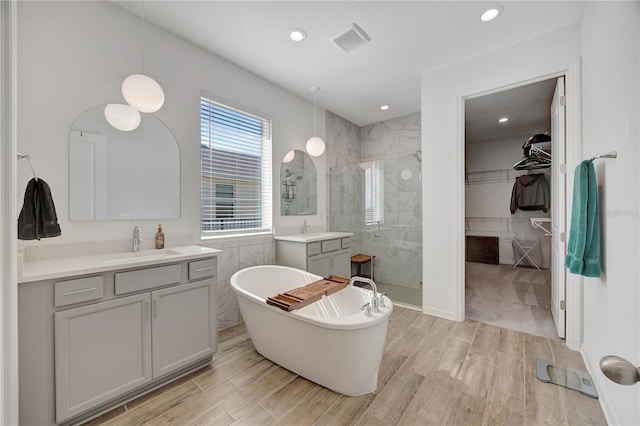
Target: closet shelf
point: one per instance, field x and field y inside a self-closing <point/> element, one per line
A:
<point x="492" y="176"/>
<point x="537" y="222"/>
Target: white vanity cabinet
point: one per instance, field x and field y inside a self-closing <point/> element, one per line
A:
<point x="330" y="264"/>
<point x="325" y="254"/>
<point x="101" y="351"/>
<point x="89" y="343"/>
<point x="182" y="326"/>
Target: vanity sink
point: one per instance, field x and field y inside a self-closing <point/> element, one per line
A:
<point x="313" y="236"/>
<point x="139" y="256"/>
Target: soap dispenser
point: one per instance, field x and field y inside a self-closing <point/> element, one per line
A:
<point x="159" y="238"/>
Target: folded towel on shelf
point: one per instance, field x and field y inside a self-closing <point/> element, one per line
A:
<point x="38" y="218"/>
<point x="583" y="251"/>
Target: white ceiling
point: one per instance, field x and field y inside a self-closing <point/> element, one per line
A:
<point x="408" y="38"/>
<point x="528" y="109"/>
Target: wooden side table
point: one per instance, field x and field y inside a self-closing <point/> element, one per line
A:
<point x="362" y="259"/>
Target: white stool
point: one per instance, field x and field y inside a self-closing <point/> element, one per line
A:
<point x="526" y="247"/>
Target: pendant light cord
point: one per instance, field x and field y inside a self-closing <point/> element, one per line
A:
<point x="142" y="42"/>
<point x="315" y="132"/>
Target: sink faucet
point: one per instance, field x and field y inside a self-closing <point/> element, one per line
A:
<point x="374" y="299"/>
<point x="305" y="227"/>
<point x="137" y="239"/>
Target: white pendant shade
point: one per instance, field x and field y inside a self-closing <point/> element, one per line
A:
<point x="142" y="93"/>
<point x="122" y="117"/>
<point x="315" y="146"/>
<point x="289" y="157"/>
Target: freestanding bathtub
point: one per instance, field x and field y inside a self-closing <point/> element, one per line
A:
<point x="330" y="342"/>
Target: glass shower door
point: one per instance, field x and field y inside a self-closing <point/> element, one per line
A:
<point x="380" y="202"/>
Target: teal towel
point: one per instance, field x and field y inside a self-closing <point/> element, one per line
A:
<point x="583" y="253"/>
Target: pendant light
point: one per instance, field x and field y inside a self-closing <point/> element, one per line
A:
<point x="141" y="91"/>
<point x="315" y="145"/>
<point x="122" y="117"/>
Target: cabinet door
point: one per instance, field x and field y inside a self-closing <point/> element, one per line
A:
<point x="320" y="265"/>
<point x="342" y="264"/>
<point x="184" y="325"/>
<point x="101" y="351"/>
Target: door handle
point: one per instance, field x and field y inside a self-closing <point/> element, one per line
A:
<point x="620" y="370"/>
<point x="84" y="290"/>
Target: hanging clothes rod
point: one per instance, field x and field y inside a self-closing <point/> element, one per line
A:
<point x="28" y="157"/>
<point x="612" y="154"/>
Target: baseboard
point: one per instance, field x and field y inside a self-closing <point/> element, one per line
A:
<point x="407" y="306"/>
<point x="597" y="381"/>
<point x="440" y="313"/>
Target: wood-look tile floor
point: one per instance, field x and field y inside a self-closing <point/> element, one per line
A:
<point x="434" y="372"/>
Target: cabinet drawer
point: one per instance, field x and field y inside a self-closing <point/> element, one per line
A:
<point x="346" y="242"/>
<point x="331" y="245"/>
<point x="202" y="269"/>
<point x="79" y="290"/>
<point x="313" y="248"/>
<point x="143" y="279"/>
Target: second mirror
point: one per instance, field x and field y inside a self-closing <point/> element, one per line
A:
<point x="298" y="185"/>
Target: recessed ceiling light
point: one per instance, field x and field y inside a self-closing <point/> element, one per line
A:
<point x="384" y="107"/>
<point x="491" y="14"/>
<point x="297" y="35"/>
<point x="503" y="120"/>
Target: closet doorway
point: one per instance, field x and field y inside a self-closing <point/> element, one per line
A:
<point x="514" y="200"/>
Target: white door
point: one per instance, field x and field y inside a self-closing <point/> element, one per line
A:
<point x="320" y="265"/>
<point x="184" y="328"/>
<point x="101" y="351"/>
<point x="341" y="264"/>
<point x="558" y="209"/>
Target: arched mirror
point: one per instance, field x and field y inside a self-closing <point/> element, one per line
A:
<point x="116" y="175"/>
<point x="298" y="185"/>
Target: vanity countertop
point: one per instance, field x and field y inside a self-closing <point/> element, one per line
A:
<point x="46" y="269"/>
<point x="313" y="236"/>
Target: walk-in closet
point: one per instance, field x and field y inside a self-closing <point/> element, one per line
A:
<point x="509" y="207"/>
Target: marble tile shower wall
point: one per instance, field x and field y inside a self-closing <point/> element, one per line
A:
<point x="236" y="255"/>
<point x="398" y="248"/>
<point x="397" y="243"/>
<point x="347" y="203"/>
<point x="397" y="136"/>
<point x="343" y="148"/>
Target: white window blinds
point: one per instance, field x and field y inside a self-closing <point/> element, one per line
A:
<point x="235" y="164"/>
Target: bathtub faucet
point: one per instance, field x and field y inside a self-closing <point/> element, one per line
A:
<point x="374" y="299"/>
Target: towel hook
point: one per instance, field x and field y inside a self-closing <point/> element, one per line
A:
<point x="28" y="158"/>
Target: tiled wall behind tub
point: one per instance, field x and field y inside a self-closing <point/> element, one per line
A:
<point x="238" y="254"/>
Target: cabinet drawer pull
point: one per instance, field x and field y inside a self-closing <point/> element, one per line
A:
<point x="204" y="269"/>
<point x="146" y="310"/>
<point x="155" y="309"/>
<point x="84" y="290"/>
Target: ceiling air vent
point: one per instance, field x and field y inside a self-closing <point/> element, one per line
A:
<point x="351" y="37"/>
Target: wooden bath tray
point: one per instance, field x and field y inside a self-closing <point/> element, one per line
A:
<point x="303" y="296"/>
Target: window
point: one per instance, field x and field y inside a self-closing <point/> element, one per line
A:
<point x="235" y="164"/>
<point x="373" y="193"/>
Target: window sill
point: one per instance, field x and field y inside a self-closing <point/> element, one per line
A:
<point x="233" y="237"/>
